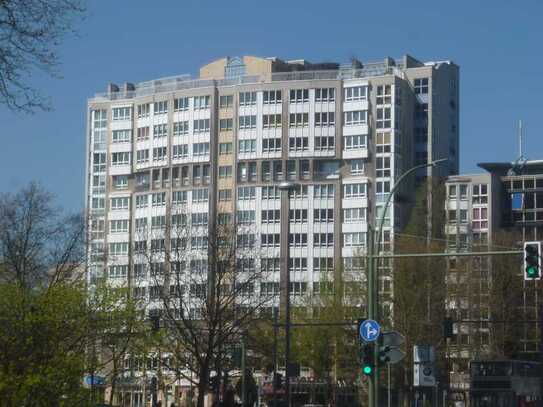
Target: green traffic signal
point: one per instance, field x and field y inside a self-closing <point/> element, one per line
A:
<point x="368" y="360"/>
<point x="367" y="370"/>
<point x="531" y="272"/>
<point x="532" y="261"/>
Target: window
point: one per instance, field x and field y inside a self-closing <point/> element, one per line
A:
<point x="357" y="167"/>
<point x="158" y="199"/>
<point x="269" y="288"/>
<point x="119" y="203"/>
<point x="179" y="197"/>
<point x="158" y="222"/>
<point x="224" y="218"/>
<point x="323" y="119"/>
<point x="383" y="119"/>
<point x="325" y="143"/>
<point x="354" y="142"/>
<point x="452" y="215"/>
<point x="323" y="191"/>
<point x="180" y="151"/>
<point x="225" y="195"/>
<point x="297" y="264"/>
<point x="271" y="216"/>
<point x="355" y="117"/>
<point x="120" y="182"/>
<point x="142" y="201"/>
<point x="270" y="121"/>
<point x="225" y="171"/>
<point x="298" y="143"/>
<point x="452" y="191"/>
<point x="143" y="133"/>
<point x="323" y="215"/>
<point x="297" y="215"/>
<point x="382" y="187"/>
<point x="382" y="143"/>
<point x="118" y="271"/>
<point x="271" y="144"/>
<point x="160" y="130"/>
<point x="421" y="86"/>
<point x="247" y="98"/>
<point x="298" y="120"/>
<point x="325" y="95"/>
<point x="246" y="240"/>
<point x="161" y="107"/>
<point x="299" y="95"/>
<point x="247" y="122"/>
<point x="121" y="113"/>
<point x="247" y="146"/>
<point x="159" y="153"/>
<point x="142" y="156"/>
<point x="355" y="93"/>
<point x="271" y="192"/>
<point x="270" y="239"/>
<point x="140" y="246"/>
<point x="141" y="225"/>
<point x="200" y="195"/>
<point x="480" y="194"/>
<point x="298" y="192"/>
<point x="181" y="128"/>
<point x="323" y="239"/>
<point x="200" y="149"/>
<point x="354" y="190"/>
<point x="246" y="216"/>
<point x="272" y="97"/>
<point x="179" y="220"/>
<point x="121" y="136"/>
<point x="201" y="126"/>
<point x="382" y="167"/>
<point x="323" y="264"/>
<point x="246" y="193"/>
<point x="480" y="218"/>
<point x="384" y="95"/>
<point x="225" y="124"/>
<point x="356" y="239"/>
<point x="226" y="101"/>
<point x="122" y="158"/>
<point x="463" y="191"/>
<point x="199" y="219"/>
<point x="118" y="249"/>
<point x="157" y="246"/>
<point x="118" y="226"/>
<point x="298" y="288"/>
<point x="143" y="110"/>
<point x="225" y="148"/>
<point x="180" y="104"/>
<point x="202" y="102"/>
<point x="354" y="215"/>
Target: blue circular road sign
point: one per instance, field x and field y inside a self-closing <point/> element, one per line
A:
<point x="369" y="330"/>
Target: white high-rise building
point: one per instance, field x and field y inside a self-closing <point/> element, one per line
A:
<point x="220" y="145"/>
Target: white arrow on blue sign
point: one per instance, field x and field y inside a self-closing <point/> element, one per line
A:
<point x="370" y="330"/>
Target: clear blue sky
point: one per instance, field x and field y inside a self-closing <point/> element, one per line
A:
<point x="498" y="45"/>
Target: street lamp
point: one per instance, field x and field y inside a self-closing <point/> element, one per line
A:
<point x="286" y="187"/>
<point x="373" y="300"/>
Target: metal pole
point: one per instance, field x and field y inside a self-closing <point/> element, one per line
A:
<point x="371" y="311"/>
<point x="287" y="313"/>
<point x="389" y="393"/>
<point x="243" y="378"/>
<point x="274" y="386"/>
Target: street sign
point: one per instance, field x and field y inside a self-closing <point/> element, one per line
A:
<point x="424" y="375"/>
<point x="394" y="355"/>
<point x="423" y="353"/>
<point x="94" y="380"/>
<point x="369" y="330"/>
<point x="392" y="339"/>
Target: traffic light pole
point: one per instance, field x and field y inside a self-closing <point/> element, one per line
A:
<point x="372" y="302"/>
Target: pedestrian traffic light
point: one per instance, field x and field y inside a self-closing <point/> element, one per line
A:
<point x="368" y="359"/>
<point x="532" y="260"/>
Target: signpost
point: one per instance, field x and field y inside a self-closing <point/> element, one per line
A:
<point x="369" y="330"/>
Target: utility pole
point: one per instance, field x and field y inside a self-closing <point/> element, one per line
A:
<point x="274" y="385"/>
<point x="243" y="367"/>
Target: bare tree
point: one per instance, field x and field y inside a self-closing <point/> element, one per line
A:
<point x="30" y="30"/>
<point x="39" y="245"/>
<point x="205" y="288"/>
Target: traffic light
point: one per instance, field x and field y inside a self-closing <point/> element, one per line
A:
<point x="368" y="359"/>
<point x="532" y="260"/>
<point x="447" y="324"/>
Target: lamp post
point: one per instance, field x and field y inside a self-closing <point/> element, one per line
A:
<point x="374" y="247"/>
<point x="286" y="187"/>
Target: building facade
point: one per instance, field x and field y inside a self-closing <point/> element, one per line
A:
<point x="217" y="147"/>
<point x="480" y="208"/>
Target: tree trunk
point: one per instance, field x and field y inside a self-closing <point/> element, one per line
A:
<point x="113" y="383"/>
<point x="203" y="383"/>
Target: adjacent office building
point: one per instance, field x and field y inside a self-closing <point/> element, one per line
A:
<point x="507" y="197"/>
<point x="217" y="147"/>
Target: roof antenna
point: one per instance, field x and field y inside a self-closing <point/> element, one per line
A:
<point x="518" y="165"/>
